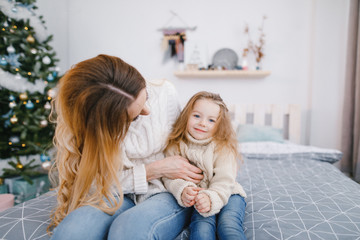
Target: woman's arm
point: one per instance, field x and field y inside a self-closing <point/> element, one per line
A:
<point x="173" y="167"/>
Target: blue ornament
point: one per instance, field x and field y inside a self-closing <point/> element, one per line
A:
<point x="14" y="9"/>
<point x="55" y="74"/>
<point x="29" y="105"/>
<point x="43" y="158"/>
<point x="3" y="61"/>
<point x="11" y="98"/>
<point x="50" y="78"/>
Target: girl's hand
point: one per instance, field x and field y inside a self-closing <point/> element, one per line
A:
<point x="202" y="203"/>
<point x="173" y="167"/>
<point x="188" y="195"/>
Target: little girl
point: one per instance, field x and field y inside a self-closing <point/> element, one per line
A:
<point x="203" y="134"/>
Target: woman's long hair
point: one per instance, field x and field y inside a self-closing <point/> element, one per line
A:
<point x="224" y="136"/>
<point x="91" y="122"/>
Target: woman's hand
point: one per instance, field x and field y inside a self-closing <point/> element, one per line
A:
<point x="173" y="167"/>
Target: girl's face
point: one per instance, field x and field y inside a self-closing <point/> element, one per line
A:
<point x="202" y="120"/>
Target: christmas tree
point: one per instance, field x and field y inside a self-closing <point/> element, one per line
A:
<point x="28" y="76"/>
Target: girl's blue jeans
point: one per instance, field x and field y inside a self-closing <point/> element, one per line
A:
<point x="227" y="224"/>
<point x="158" y="217"/>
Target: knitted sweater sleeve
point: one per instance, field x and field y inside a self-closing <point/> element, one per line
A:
<point x="176" y="186"/>
<point x="222" y="182"/>
<point x="133" y="177"/>
<point x="147" y="136"/>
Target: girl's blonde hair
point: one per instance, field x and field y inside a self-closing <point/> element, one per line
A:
<point x="91" y="122"/>
<point x="224" y="135"/>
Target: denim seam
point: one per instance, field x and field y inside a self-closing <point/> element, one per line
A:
<point x="151" y="233"/>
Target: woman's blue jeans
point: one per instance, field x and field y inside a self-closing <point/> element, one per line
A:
<point x="227" y="224"/>
<point x="158" y="217"/>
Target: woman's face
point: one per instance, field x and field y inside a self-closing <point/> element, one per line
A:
<point x="138" y="106"/>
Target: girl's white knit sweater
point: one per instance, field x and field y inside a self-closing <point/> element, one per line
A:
<point x="146" y="139"/>
<point x="219" y="170"/>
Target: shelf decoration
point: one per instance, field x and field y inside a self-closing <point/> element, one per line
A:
<point x="174" y="38"/>
<point x="256" y="48"/>
<point x="206" y="74"/>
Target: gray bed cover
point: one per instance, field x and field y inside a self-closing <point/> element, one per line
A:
<point x="290" y="196"/>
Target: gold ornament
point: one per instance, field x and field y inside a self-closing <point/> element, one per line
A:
<point x="1" y="181"/>
<point x="14" y="119"/>
<point x="19" y="166"/>
<point x="30" y="39"/>
<point x="23" y="96"/>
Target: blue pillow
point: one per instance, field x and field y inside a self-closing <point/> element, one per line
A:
<point x="256" y="133"/>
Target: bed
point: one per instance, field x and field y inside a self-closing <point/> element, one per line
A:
<point x="294" y="191"/>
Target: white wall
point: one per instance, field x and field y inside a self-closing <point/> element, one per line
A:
<point x="305" y="45"/>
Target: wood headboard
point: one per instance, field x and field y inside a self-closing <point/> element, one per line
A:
<point x="286" y="117"/>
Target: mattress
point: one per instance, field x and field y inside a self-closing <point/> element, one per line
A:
<point x="294" y="192"/>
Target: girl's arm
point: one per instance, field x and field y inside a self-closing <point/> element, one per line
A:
<point x="222" y="183"/>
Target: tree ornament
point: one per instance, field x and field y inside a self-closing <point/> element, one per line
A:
<point x="3" y="61"/>
<point x="19" y="165"/>
<point x="50" y="77"/>
<point x="29" y="105"/>
<point x="33" y="50"/>
<point x="43" y="123"/>
<point x="51" y="93"/>
<point x="30" y="39"/>
<point x="14" y="139"/>
<point x="12" y="104"/>
<point x="11" y="98"/>
<point x="14" y="10"/>
<point x="10" y="49"/>
<point x="47" y="106"/>
<point x="46" y="165"/>
<point x="46" y="60"/>
<point x="1" y="181"/>
<point x="23" y="96"/>
<point x="14" y="119"/>
<point x="44" y="158"/>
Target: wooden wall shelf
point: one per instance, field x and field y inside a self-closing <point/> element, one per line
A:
<point x="222" y="74"/>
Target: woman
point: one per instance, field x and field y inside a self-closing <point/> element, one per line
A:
<point x="97" y="101"/>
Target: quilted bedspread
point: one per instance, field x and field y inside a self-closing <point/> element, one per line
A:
<point x="293" y="193"/>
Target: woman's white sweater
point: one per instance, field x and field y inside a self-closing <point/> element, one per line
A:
<point x="146" y="139"/>
<point x="219" y="169"/>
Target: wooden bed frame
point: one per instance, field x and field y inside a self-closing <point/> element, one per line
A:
<point x="286" y="117"/>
